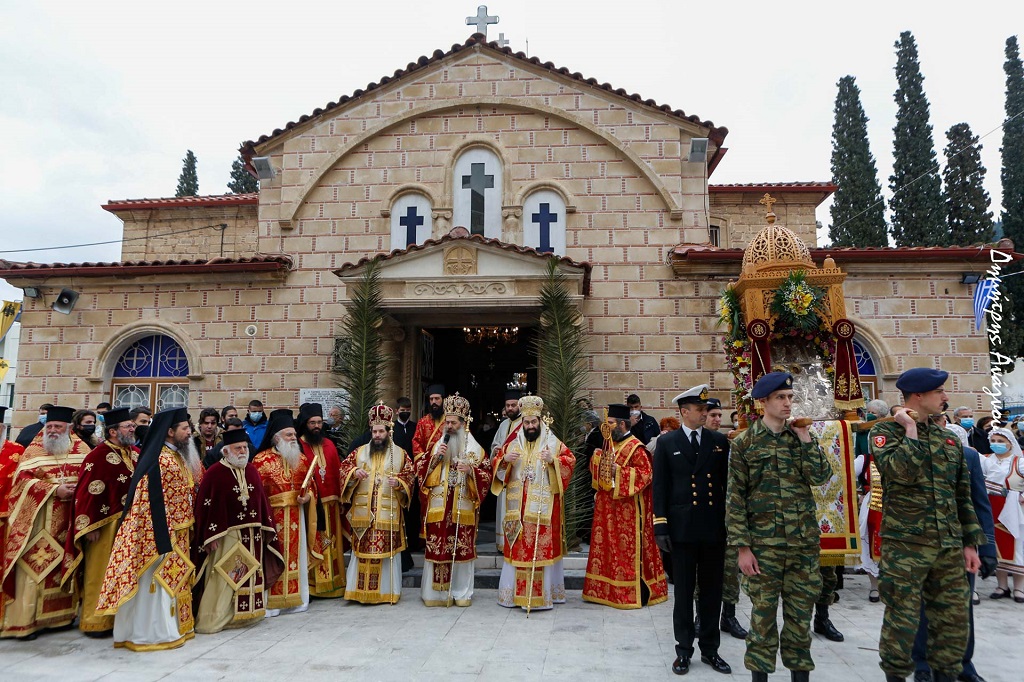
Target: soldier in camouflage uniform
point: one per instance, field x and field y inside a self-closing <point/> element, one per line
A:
<point x="773" y="523"/>
<point x="929" y="531"/>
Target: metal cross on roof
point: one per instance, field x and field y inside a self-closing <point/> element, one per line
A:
<point x="481" y="20"/>
<point x="501" y="40"/>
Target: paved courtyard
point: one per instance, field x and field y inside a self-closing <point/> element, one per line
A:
<point x="340" y="641"/>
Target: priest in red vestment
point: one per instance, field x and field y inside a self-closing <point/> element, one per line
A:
<point x="455" y="479"/>
<point x="377" y="479"/>
<point x="148" y="583"/>
<point x="41" y="503"/>
<point x="624" y="568"/>
<point x="327" y="578"/>
<point x="10" y="455"/>
<point x="533" y="470"/>
<point x="429" y="430"/>
<point x="239" y="556"/>
<point x="102" y="488"/>
<point x="287" y="480"/>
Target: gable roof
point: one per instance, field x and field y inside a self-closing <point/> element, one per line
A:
<point x="461" y="234"/>
<point x="479" y="41"/>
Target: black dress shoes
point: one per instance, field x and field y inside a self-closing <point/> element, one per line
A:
<point x="716" y="662"/>
<point x="681" y="665"/>
<point x="758" y="676"/>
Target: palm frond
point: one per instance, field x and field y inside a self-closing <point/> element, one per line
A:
<point x="359" y="360"/>
<point x="561" y="346"/>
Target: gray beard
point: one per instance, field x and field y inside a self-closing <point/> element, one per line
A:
<point x="236" y="461"/>
<point x="457" y="444"/>
<point x="191" y="456"/>
<point x="58" y="445"/>
<point x="289" y="451"/>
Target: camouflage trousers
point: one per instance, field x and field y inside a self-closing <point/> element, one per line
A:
<point x="910" y="574"/>
<point x="792" y="574"/>
<point x="731" y="579"/>
<point x="829" y="581"/>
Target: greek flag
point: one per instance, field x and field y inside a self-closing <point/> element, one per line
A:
<point x="983" y="295"/>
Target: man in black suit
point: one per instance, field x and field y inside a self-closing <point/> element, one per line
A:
<point x="645" y="427"/>
<point x="691" y="471"/>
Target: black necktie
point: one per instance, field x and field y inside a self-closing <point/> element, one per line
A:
<point x="694" y="442"/>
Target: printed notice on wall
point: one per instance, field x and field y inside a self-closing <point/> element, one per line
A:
<point x="328" y="397"/>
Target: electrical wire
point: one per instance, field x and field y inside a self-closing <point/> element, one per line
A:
<point x="220" y="226"/>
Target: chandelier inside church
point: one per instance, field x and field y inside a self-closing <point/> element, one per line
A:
<point x="491" y="336"/>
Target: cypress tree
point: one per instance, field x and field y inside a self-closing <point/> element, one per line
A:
<point x="858" y="211"/>
<point x="967" y="202"/>
<point x="188" y="181"/>
<point x="1012" y="174"/>
<point x="918" y="212"/>
<point x="1011" y="333"/>
<point x="241" y="181"/>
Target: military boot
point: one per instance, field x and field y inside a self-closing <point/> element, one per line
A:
<point x="823" y="626"/>
<point x="800" y="675"/>
<point x="730" y="624"/>
<point x="757" y="676"/>
<point x="893" y="677"/>
<point x="943" y="677"/>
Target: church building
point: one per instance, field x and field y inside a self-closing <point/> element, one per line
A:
<point x="469" y="170"/>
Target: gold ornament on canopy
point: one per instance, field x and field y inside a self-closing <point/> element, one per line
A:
<point x="758" y="338"/>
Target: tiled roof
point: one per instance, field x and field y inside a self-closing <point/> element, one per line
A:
<point x="798" y="186"/>
<point x="907" y="254"/>
<point x="265" y="263"/>
<point x="114" y="205"/>
<point x="460" y="233"/>
<point x="716" y="133"/>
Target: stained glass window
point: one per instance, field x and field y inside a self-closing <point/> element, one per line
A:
<point x="152" y="372"/>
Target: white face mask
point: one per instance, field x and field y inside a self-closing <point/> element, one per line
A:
<point x="255" y="417"/>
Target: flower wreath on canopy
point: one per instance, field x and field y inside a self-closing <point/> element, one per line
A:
<point x="797" y="307"/>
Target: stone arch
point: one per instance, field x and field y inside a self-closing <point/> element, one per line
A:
<point x="123" y="337"/>
<point x="885" y="361"/>
<point x="289" y="210"/>
<point x="554" y="186"/>
<point x="407" y="188"/>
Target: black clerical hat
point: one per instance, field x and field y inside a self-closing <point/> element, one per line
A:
<point x="235" y="436"/>
<point x="618" y="411"/>
<point x="60" y="414"/>
<point x="115" y="417"/>
<point x="278" y="421"/>
<point x="513" y="394"/>
<point x="307" y="411"/>
<point x="435" y="389"/>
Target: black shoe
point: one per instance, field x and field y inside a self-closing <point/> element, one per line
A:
<point x="893" y="677"/>
<point x="716" y="662"/>
<point x="28" y="638"/>
<point x="943" y="677"/>
<point x="99" y="634"/>
<point x="681" y="665"/>
<point x="923" y="676"/>
<point x="757" y="676"/>
<point x="800" y="675"/>
<point x="973" y="677"/>
<point x="823" y="626"/>
<point x="733" y="627"/>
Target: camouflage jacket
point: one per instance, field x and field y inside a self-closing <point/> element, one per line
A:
<point x="770" y="479"/>
<point x="926" y="489"/>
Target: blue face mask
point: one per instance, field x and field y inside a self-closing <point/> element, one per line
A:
<point x="967" y="422"/>
<point x="42" y="419"/>
<point x="1000" y="448"/>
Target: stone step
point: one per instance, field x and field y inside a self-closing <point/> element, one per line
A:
<point x="491" y="559"/>
<point x="487" y="579"/>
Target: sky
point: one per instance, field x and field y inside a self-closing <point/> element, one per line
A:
<point x="101" y="100"/>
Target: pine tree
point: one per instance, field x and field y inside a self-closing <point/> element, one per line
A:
<point x="188" y="181"/>
<point x="967" y="202"/>
<point x="241" y="181"/>
<point x="1011" y="333"/>
<point x="918" y="211"/>
<point x="858" y="211"/>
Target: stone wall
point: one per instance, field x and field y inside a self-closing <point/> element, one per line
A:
<point x="188" y="233"/>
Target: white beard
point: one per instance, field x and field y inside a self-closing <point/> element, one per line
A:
<point x="289" y="451"/>
<point x="237" y="461"/>
<point x="191" y="457"/>
<point x="58" y="445"/>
